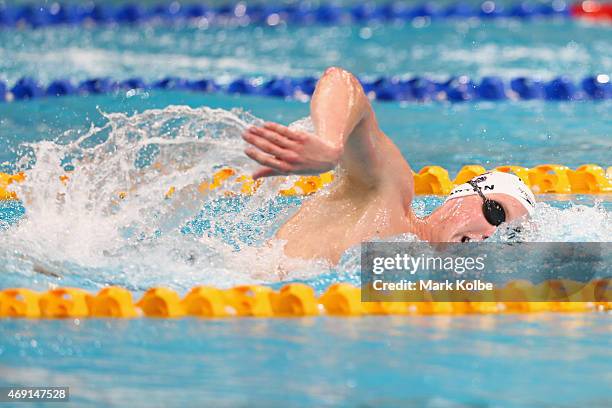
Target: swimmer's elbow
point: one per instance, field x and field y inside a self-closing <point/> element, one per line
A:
<point x="337" y="74"/>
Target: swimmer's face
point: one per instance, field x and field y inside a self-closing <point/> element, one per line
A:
<point x="464" y="221"/>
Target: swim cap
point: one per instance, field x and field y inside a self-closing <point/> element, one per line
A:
<point x="498" y="182"/>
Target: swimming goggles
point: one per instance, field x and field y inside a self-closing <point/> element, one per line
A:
<point x="493" y="211"/>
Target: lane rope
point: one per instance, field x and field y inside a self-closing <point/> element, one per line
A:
<point x="395" y="88"/>
<point x="300" y="300"/>
<point x="297" y="13"/>
<point x="430" y="180"/>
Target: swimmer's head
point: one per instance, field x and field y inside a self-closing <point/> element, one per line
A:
<point x="474" y="210"/>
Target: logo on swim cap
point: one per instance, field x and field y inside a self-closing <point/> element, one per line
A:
<point x="498" y="182"/>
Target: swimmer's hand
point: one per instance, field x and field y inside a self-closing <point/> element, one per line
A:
<point x="281" y="150"/>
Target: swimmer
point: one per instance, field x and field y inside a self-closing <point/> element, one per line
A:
<point x="374" y="185"/>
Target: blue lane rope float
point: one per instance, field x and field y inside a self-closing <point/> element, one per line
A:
<point x="261" y="13"/>
<point x="419" y="89"/>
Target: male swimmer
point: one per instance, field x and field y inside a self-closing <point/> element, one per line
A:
<point x="374" y="185"/>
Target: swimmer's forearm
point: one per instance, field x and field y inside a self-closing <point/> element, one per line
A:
<point x="342" y="114"/>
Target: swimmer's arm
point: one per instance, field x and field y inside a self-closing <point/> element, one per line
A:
<point x="346" y="133"/>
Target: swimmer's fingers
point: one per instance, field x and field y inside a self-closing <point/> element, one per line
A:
<point x="268" y="161"/>
<point x="266" y="146"/>
<point x="285" y="131"/>
<point x="273" y="137"/>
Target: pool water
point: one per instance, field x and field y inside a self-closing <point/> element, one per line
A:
<point x="144" y="142"/>
<point x="506" y="48"/>
<point x="470" y="361"/>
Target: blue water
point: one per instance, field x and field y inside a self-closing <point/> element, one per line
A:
<point x="80" y="234"/>
<point x="491" y="134"/>
<point x="507" y="48"/>
<point x="509" y="361"/>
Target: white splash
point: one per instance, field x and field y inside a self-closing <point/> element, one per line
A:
<point x="82" y="227"/>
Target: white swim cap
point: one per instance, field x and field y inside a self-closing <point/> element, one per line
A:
<point x="498" y="182"/>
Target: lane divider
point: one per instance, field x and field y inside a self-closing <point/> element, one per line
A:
<point x="300" y="12"/>
<point x="300" y="300"/>
<point x="430" y="180"/>
<point x="415" y="89"/>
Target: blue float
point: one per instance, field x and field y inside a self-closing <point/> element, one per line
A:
<point x="491" y="88"/>
<point x="545" y="10"/>
<point x="130" y="13"/>
<point x="559" y="7"/>
<point x="523" y="10"/>
<point x="60" y="87"/>
<point x="306" y="85"/>
<point x="100" y="14"/>
<point x="406" y="90"/>
<point x="241" y="86"/>
<point x="3" y="90"/>
<point x="254" y="12"/>
<point x="6" y="17"/>
<point x="560" y="89"/>
<point x="171" y="83"/>
<point x="280" y="87"/>
<point x="425" y="10"/>
<point x="367" y="85"/>
<point x="170" y="11"/>
<point x="260" y="13"/>
<point x="460" y="9"/>
<point x="64" y="14"/>
<point x="365" y="12"/>
<point x="390" y="89"/>
<point x="133" y="83"/>
<point x="393" y="10"/>
<point x="597" y="87"/>
<point x="27" y="88"/>
<point x="35" y="16"/>
<point x="328" y="14"/>
<point x="527" y="88"/>
<point x="459" y="89"/>
<point x="385" y="89"/>
<point x="299" y="15"/>
<point x="98" y="86"/>
<point x="226" y="10"/>
<point x="196" y="11"/>
<point x="421" y="89"/>
<point x="489" y="9"/>
<point x="203" y="85"/>
<point x="289" y="10"/>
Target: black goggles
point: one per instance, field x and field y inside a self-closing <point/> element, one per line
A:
<point x="493" y="211"/>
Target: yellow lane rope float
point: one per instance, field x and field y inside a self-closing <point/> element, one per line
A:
<point x="430" y="180"/>
<point x="299" y="300"/>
